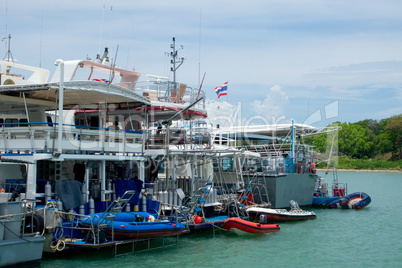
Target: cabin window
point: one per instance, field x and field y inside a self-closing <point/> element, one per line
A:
<point x="24" y="122"/>
<point x="215" y="164"/>
<point x="227" y="164"/>
<point x="12" y="121"/>
<point x="49" y="120"/>
<point x="1" y="120"/>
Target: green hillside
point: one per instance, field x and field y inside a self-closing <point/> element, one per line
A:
<point x="367" y="144"/>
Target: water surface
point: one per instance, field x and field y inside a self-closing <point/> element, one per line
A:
<point x="370" y="237"/>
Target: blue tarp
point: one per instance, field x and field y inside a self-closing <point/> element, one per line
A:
<point x="69" y="193"/>
<point x="121" y="186"/>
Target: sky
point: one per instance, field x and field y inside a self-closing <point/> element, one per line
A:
<point x="311" y="61"/>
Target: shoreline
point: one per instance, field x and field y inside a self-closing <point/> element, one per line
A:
<point x="365" y="170"/>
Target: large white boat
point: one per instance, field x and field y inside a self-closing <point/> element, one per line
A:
<point x="85" y="139"/>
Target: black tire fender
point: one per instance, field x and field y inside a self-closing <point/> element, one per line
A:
<point x="37" y="222"/>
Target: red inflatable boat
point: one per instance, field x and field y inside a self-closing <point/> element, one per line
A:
<point x="249" y="227"/>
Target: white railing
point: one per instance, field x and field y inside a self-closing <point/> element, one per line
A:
<point x="163" y="92"/>
<point x="42" y="137"/>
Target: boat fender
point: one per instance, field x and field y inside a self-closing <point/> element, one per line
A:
<point x="197" y="219"/>
<point x="34" y="224"/>
<point x="262" y="219"/>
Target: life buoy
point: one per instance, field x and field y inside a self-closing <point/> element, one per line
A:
<point x="33" y="224"/>
<point x="2" y="190"/>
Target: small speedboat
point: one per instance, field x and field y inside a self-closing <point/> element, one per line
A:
<point x="275" y="215"/>
<point x="236" y="224"/>
<point x="357" y="200"/>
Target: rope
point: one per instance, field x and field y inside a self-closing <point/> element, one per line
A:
<point x="56" y="247"/>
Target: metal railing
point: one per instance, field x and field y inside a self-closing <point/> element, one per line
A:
<point x="42" y="137"/>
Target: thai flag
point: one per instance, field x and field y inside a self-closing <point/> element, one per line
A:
<point x="222" y="90"/>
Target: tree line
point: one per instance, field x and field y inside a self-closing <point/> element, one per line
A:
<point x="365" y="139"/>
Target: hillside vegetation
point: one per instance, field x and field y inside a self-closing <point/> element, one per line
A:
<point x="367" y="144"/>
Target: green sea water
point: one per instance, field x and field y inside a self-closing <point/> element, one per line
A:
<point x="370" y="237"/>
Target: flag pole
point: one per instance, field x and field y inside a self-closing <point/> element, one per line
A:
<point x="199" y="90"/>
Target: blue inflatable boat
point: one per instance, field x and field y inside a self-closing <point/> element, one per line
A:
<point x="357" y="200"/>
<point x="136" y="225"/>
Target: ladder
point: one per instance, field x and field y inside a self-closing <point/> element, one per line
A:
<point x="199" y="198"/>
<point x="255" y="186"/>
<point x="110" y="214"/>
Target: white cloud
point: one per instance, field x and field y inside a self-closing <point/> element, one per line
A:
<point x="273" y="105"/>
<point x="248" y="43"/>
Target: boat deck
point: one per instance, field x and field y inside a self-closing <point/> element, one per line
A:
<point x="80" y="243"/>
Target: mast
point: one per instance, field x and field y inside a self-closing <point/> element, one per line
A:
<point x="293" y="138"/>
<point x="175" y="60"/>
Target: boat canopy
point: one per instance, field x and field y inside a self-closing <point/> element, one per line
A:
<point x="279" y="130"/>
<point x="128" y="78"/>
<point x="37" y="75"/>
<point x="83" y="94"/>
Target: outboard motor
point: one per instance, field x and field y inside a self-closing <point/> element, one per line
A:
<point x="262" y="219"/>
<point x="232" y="210"/>
<point x="293" y="204"/>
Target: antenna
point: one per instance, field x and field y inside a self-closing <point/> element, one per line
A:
<point x="111" y="77"/>
<point x="111" y="28"/>
<point x="132" y="31"/>
<point x="101" y="31"/>
<point x="41" y="35"/>
<point x="199" y="53"/>
<point x="8" y="54"/>
<point x="173" y="61"/>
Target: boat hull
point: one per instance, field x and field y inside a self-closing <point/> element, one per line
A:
<point x="282" y="188"/>
<point x="21" y="252"/>
<point x="138" y="230"/>
<point x="278" y="215"/>
<point x="249" y="227"/>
